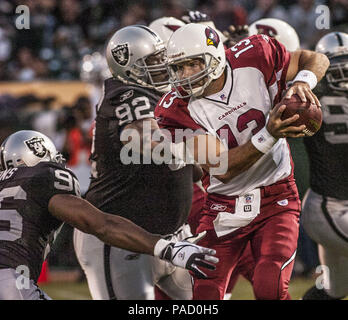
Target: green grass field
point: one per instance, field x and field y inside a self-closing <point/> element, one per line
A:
<point x="242" y="291"/>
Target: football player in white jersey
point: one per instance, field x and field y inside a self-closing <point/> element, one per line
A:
<point x="325" y="206"/>
<point x="231" y="97"/>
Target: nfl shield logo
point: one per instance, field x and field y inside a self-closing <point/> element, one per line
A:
<point x="121" y="54"/>
<point x="248" y="198"/>
<point x="261" y="139"/>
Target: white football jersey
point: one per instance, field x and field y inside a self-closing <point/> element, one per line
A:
<point x="255" y="79"/>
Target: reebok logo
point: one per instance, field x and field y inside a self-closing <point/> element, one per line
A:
<point x="218" y="207"/>
<point x="283" y="203"/>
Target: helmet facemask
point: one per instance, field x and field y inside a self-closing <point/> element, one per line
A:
<point x="337" y="73"/>
<point x="187" y="85"/>
<point x="150" y="71"/>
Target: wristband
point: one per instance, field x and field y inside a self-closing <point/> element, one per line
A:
<point x="308" y="77"/>
<point x="160" y="245"/>
<point x="263" y="140"/>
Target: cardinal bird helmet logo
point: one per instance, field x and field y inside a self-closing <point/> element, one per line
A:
<point x="265" y="29"/>
<point x="213" y="38"/>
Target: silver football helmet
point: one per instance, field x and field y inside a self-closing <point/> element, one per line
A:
<point x="136" y="55"/>
<point x="27" y="148"/>
<point x="94" y="68"/>
<point x="335" y="46"/>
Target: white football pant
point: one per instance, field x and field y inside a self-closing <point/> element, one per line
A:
<point x="325" y="220"/>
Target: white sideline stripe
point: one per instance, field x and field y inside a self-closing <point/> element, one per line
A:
<point x="287" y="262"/>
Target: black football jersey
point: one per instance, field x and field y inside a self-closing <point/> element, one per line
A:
<point x="150" y="195"/>
<point x="27" y="229"/>
<point x="328" y="148"/>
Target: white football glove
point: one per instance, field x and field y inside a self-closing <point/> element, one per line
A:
<point x="187" y="255"/>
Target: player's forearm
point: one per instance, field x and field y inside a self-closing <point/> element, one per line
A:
<point x="123" y="233"/>
<point x="112" y="229"/>
<point x="307" y="60"/>
<point x="239" y="160"/>
<point x="315" y="62"/>
<point x="222" y="163"/>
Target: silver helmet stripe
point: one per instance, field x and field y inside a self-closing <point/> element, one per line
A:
<point x="339" y="39"/>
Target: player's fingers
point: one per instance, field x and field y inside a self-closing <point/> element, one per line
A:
<point x="296" y="135"/>
<point x="301" y="93"/>
<point x="226" y="34"/>
<point x="205" y="264"/>
<point x="278" y="112"/>
<point x="232" y="28"/>
<point x="289" y="93"/>
<point x="317" y="102"/>
<point x="290" y="120"/>
<point x="207" y="251"/>
<point x="293" y="129"/>
<point x="209" y="258"/>
<point x="198" y="273"/>
<point x="308" y="93"/>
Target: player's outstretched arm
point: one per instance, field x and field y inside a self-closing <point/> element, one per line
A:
<point x="111" y="229"/>
<point x="120" y="232"/>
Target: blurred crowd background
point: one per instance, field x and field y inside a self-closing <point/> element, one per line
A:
<point x="64" y="34"/>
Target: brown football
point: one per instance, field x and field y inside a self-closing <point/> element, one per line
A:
<point x="310" y="114"/>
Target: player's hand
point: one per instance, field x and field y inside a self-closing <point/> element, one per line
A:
<point x="304" y="91"/>
<point x="190" y="256"/>
<point x="279" y="128"/>
<point x="195" y="17"/>
<point x="234" y="34"/>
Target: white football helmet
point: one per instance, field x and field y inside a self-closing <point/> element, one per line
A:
<point x="165" y="27"/>
<point x="278" y="29"/>
<point x="135" y="55"/>
<point x="27" y="148"/>
<point x="190" y="42"/>
<point x="335" y="46"/>
<point x="94" y="68"/>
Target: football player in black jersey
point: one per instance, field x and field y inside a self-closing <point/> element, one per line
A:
<point x="156" y="197"/>
<point x="37" y="194"/>
<point x="325" y="205"/>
